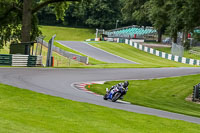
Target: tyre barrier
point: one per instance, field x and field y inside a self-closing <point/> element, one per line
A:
<point x="20" y="60"/>
<point x="196" y="93"/>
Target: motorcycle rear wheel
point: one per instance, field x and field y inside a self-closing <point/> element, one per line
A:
<point x="116" y="96"/>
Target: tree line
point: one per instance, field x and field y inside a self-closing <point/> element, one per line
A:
<point x="166" y="16"/>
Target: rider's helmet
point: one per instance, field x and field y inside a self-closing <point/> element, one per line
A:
<point x="126" y="83"/>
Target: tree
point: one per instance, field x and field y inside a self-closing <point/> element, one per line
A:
<point x="158" y="15"/>
<point x="184" y="17"/>
<point x="134" y="11"/>
<point x="24" y="11"/>
<point x="100" y="13"/>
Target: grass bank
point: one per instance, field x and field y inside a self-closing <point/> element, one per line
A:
<point x="23" y="111"/>
<point x="166" y="94"/>
<point x="67" y="33"/>
<point x="131" y="53"/>
<point x="146" y="60"/>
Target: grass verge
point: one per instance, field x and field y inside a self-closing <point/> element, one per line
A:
<point x="23" y="111"/>
<point x="166" y="94"/>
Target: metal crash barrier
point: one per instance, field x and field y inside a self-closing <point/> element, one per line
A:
<point x="20" y="60"/>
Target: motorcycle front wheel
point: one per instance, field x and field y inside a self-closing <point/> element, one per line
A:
<point x="105" y="96"/>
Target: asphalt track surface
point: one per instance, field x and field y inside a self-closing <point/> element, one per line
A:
<point x="59" y="82"/>
<point x="94" y="52"/>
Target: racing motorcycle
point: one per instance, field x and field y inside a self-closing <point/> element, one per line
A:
<point x="113" y="94"/>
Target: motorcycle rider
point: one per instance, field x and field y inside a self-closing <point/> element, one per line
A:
<point x="123" y="86"/>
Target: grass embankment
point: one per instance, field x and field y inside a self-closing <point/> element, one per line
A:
<point x="59" y="60"/>
<point x="131" y="53"/>
<point x="146" y="60"/>
<point x="79" y="34"/>
<point x="186" y="54"/>
<point x="23" y="111"/>
<point x="70" y="34"/>
<point x="165" y="94"/>
<point x="92" y="61"/>
<point x="67" y="34"/>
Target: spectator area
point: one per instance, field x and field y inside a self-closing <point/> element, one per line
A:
<point x="131" y="32"/>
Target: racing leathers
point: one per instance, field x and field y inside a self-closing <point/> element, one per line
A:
<point x="120" y="86"/>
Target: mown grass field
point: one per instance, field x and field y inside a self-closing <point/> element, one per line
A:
<point x="166" y="94"/>
<point x="67" y="34"/>
<point x="23" y="111"/>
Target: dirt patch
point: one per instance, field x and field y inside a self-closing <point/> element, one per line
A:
<point x="189" y="98"/>
<point x="152" y="45"/>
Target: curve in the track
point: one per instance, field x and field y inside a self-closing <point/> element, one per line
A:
<point x="94" y="52"/>
<point x="58" y="82"/>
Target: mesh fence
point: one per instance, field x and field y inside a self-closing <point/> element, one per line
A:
<point x="64" y="53"/>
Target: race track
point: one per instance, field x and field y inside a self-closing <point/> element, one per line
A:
<point x="94" y="52"/>
<point x="59" y="82"/>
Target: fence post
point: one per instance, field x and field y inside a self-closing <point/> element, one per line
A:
<point x="49" y="54"/>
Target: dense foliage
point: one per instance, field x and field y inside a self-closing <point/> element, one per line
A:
<point x="165" y="15"/>
<point x="94" y="14"/>
<point x="19" y="18"/>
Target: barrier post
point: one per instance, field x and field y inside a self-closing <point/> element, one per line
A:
<point x="52" y="61"/>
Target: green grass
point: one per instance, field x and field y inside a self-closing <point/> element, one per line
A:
<point x="187" y="54"/>
<point x="5" y="49"/>
<point x="59" y="60"/>
<point x="70" y="34"/>
<point x="146" y="60"/>
<point x="131" y="53"/>
<point x="23" y="111"/>
<point x="67" y="34"/>
<point x="166" y="94"/>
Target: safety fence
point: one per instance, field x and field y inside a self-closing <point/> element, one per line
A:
<point x="20" y="60"/>
<point x="196" y="92"/>
<point x="64" y="53"/>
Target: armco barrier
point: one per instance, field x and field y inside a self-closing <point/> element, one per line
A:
<point x="32" y="60"/>
<point x="20" y="60"/>
<point x="156" y="52"/>
<point x="5" y="60"/>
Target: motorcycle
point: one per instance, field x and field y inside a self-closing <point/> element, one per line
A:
<point x="113" y="94"/>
